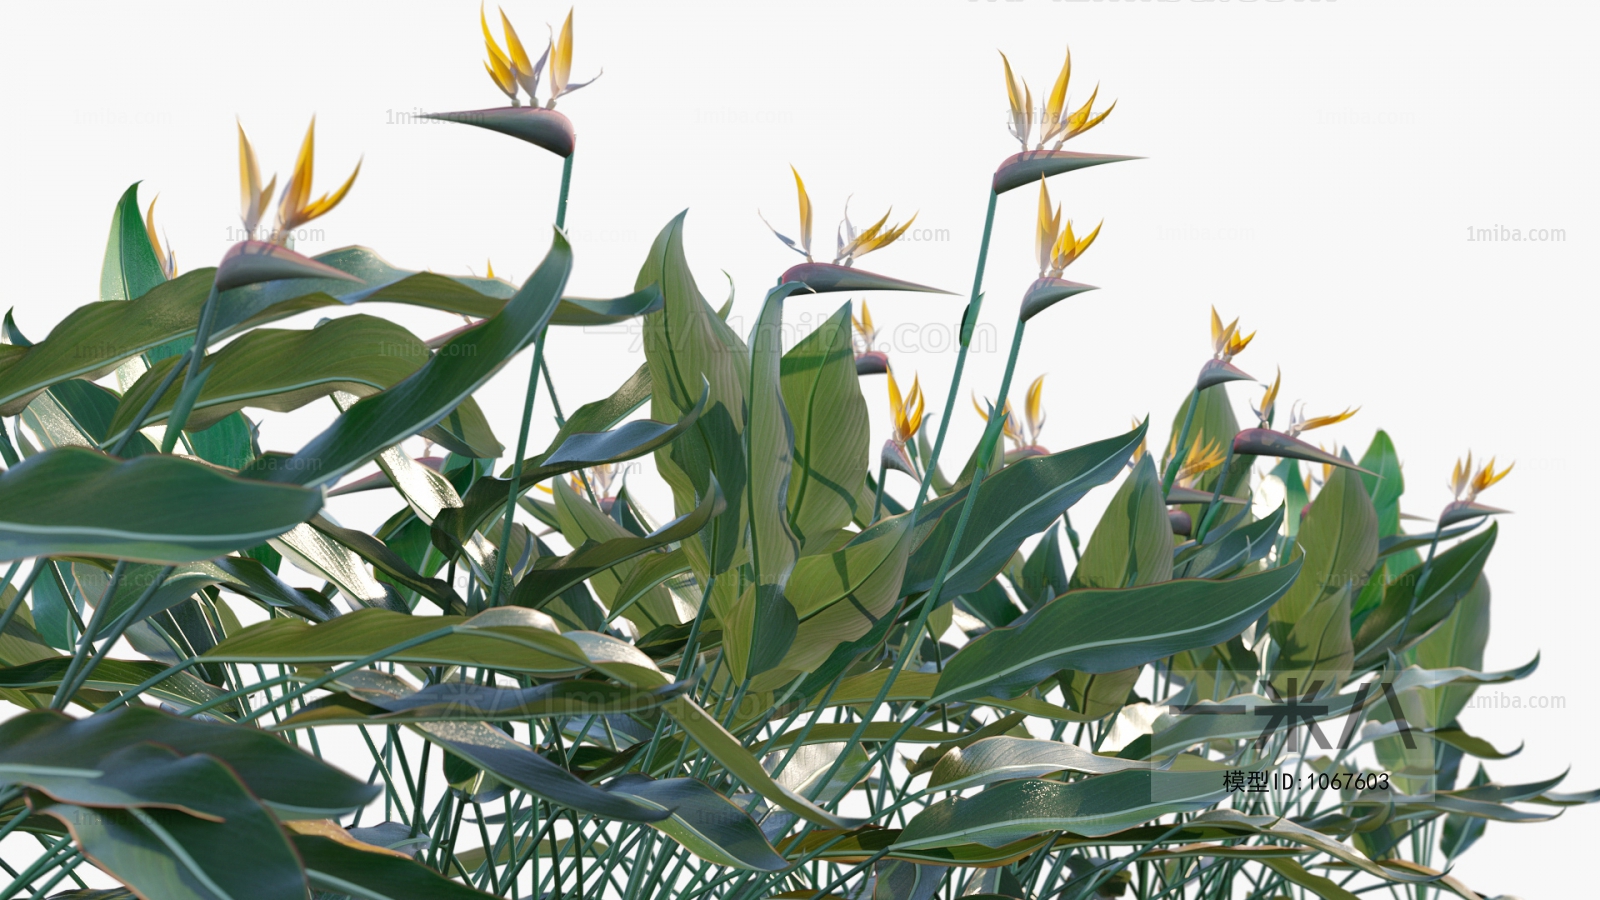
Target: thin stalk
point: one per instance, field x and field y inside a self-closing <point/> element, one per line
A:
<point x="197" y="353"/>
<point x="969" y="320"/>
<point x="7" y="451"/>
<point x="149" y="405"/>
<point x="86" y="640"/>
<point x="516" y="470"/>
<point x="121" y="625"/>
<point x="22" y="591"/>
<point x="1182" y="447"/>
<point x="877" y="502"/>
<point x="1216" y="499"/>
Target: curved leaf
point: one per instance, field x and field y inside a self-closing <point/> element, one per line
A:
<point x="1005" y="758"/>
<point x="428" y="395"/>
<point x="1091" y="807"/>
<point x="284" y="370"/>
<point x="704" y="821"/>
<point x="1014" y="504"/>
<point x="77" y="501"/>
<point x="1104" y="630"/>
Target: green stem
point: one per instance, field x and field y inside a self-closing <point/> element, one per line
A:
<point x="1182" y="446"/>
<point x="1216" y="499"/>
<point x="150" y="405"/>
<point x="969" y="321"/>
<point x="22" y="592"/>
<point x="516" y="471"/>
<point x="65" y="689"/>
<point x="197" y="353"/>
<point x="877" y="503"/>
<point x="121" y="625"/>
<point x="7" y="451"/>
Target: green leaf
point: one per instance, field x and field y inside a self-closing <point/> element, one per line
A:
<point x="283" y="370"/>
<point x="1103" y="630"/>
<point x="1091" y="807"/>
<point x="1311" y="624"/>
<point x="1019" y="501"/>
<point x="464" y="702"/>
<point x="576" y="450"/>
<point x="76" y="501"/>
<point x="552" y="575"/>
<point x="841" y="596"/>
<point x="688" y="347"/>
<point x="333" y="865"/>
<point x="506" y="638"/>
<point x="704" y="821"/>
<point x="43" y="744"/>
<point x="117" y="675"/>
<point x="442" y="383"/>
<point x="1003" y="758"/>
<point x="1451" y="575"/>
<point x="822" y="393"/>
<point x="130" y="268"/>
<point x="1132" y="543"/>
<point x="1458" y="641"/>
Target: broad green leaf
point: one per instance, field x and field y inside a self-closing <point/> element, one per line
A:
<point x="1043" y="574"/>
<point x="577" y="450"/>
<point x="756" y="639"/>
<point x="1098" y="695"/>
<point x="510" y="639"/>
<point x="1296" y="874"/>
<point x="1311" y="624"/>
<point x="335" y="866"/>
<point x="119" y="675"/>
<point x="1239" y="547"/>
<point x="168" y="854"/>
<point x="1004" y="758"/>
<point x="823" y="396"/>
<point x="429" y="394"/>
<point x="1132" y="543"/>
<point x="1450" y="576"/>
<point x="840" y="596"/>
<point x="1103" y="630"/>
<point x="460" y="701"/>
<point x="1458" y="641"/>
<point x="130" y="267"/>
<point x="77" y="501"/>
<point x="1014" y="504"/>
<point x="704" y="821"/>
<point x="590" y="530"/>
<point x="812" y="761"/>
<point x="283" y="370"/>
<point x="315" y="552"/>
<point x="294" y="784"/>
<point x="648" y="575"/>
<point x="1090" y="807"/>
<point x="687" y="347"/>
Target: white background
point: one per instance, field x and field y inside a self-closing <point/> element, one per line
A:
<point x="1311" y="167"/>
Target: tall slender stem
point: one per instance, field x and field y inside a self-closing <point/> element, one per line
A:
<point x="197" y="353"/>
<point x="969" y="321"/>
<point x="86" y="641"/>
<point x="1182" y="446"/>
<point x="527" y="414"/>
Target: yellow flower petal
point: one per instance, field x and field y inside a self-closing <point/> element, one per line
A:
<point x="561" y="57"/>
<point x="805" y="212"/>
<point x="1058" y="94"/>
<point x="519" y="56"/>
